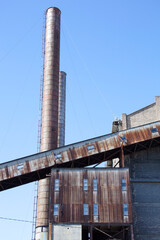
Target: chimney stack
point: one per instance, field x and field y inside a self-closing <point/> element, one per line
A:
<point x="61" y="109"/>
<point x="49" y="130"/>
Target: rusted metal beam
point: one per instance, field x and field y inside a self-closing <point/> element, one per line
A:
<point x="96" y="149"/>
<point x="122" y="156"/>
<point x="132" y="232"/>
<point x="124" y="229"/>
<point x="1" y="186"/>
<point x="110" y="156"/>
<point x="104" y="232"/>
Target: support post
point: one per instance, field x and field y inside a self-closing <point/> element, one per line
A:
<point x="122" y="156"/>
<point x="50" y="232"/>
<point x="132" y="233"/>
<point x="91" y="233"/>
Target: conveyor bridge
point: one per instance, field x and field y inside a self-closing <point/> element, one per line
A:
<point x="81" y="154"/>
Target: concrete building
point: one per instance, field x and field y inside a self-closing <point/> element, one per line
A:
<point x="148" y="114"/>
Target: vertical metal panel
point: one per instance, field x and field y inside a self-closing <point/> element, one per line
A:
<point x="108" y="196"/>
<point x="145" y="184"/>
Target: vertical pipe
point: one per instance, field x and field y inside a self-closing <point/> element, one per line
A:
<point x="61" y="109"/>
<point x="49" y="131"/>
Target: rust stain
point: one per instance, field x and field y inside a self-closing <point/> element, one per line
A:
<point x="77" y="152"/>
<point x="72" y="196"/>
<point x="28" y="166"/>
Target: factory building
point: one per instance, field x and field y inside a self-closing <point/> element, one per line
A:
<point x="81" y="203"/>
<point x="90" y="203"/>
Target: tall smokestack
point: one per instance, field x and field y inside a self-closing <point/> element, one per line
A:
<point x="49" y="132"/>
<point x="61" y="109"/>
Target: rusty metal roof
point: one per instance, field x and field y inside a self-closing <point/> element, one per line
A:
<point x="81" y="154"/>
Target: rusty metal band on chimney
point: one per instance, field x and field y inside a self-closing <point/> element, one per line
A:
<point x="49" y="132"/>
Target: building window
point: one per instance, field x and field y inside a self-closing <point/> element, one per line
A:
<point x="85" y="209"/>
<point x="154" y="130"/>
<point x="90" y="147"/>
<point x="58" y="156"/>
<point x="56" y="209"/>
<point x="95" y="209"/>
<point x="85" y="184"/>
<point x="94" y="184"/>
<point x="56" y="185"/>
<point x="125" y="209"/>
<point x="124" y="185"/>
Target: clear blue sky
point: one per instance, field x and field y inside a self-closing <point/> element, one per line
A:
<point x="110" y="50"/>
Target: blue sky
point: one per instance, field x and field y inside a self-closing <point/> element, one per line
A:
<point x="111" y="53"/>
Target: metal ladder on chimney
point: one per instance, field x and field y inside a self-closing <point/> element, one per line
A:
<point x="41" y="84"/>
<point x="35" y="211"/>
<point x="39" y="126"/>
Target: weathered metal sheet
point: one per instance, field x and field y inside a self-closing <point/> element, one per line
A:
<point x="145" y="184"/>
<point x="96" y="150"/>
<point x="109" y="196"/>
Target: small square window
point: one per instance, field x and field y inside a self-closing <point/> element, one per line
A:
<point x="123" y="139"/>
<point x="95" y="209"/>
<point x="154" y="130"/>
<point x="124" y="186"/>
<point x="85" y="209"/>
<point x="85" y="184"/>
<point x="90" y="147"/>
<point x="58" y="156"/>
<point x="125" y="209"/>
<point x="20" y="166"/>
<point x="56" y="209"/>
<point x="94" y="184"/>
<point x="56" y="185"/>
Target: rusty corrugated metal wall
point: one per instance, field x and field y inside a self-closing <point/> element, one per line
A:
<point x="81" y="154"/>
<point x="67" y="190"/>
<point x="49" y="132"/>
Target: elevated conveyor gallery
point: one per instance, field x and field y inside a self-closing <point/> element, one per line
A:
<point x="81" y="154"/>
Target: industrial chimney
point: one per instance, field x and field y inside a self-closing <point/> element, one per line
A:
<point x="61" y="109"/>
<point x="49" y="131"/>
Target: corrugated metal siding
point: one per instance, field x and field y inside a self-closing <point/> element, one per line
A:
<point x="88" y="152"/>
<point x="109" y="196"/>
<point x="145" y="185"/>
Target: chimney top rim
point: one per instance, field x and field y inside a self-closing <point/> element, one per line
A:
<point x="62" y="72"/>
<point x="54" y="8"/>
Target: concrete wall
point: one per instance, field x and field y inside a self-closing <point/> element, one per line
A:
<point x="67" y="232"/>
<point x="42" y="233"/>
<point x="143" y="116"/>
